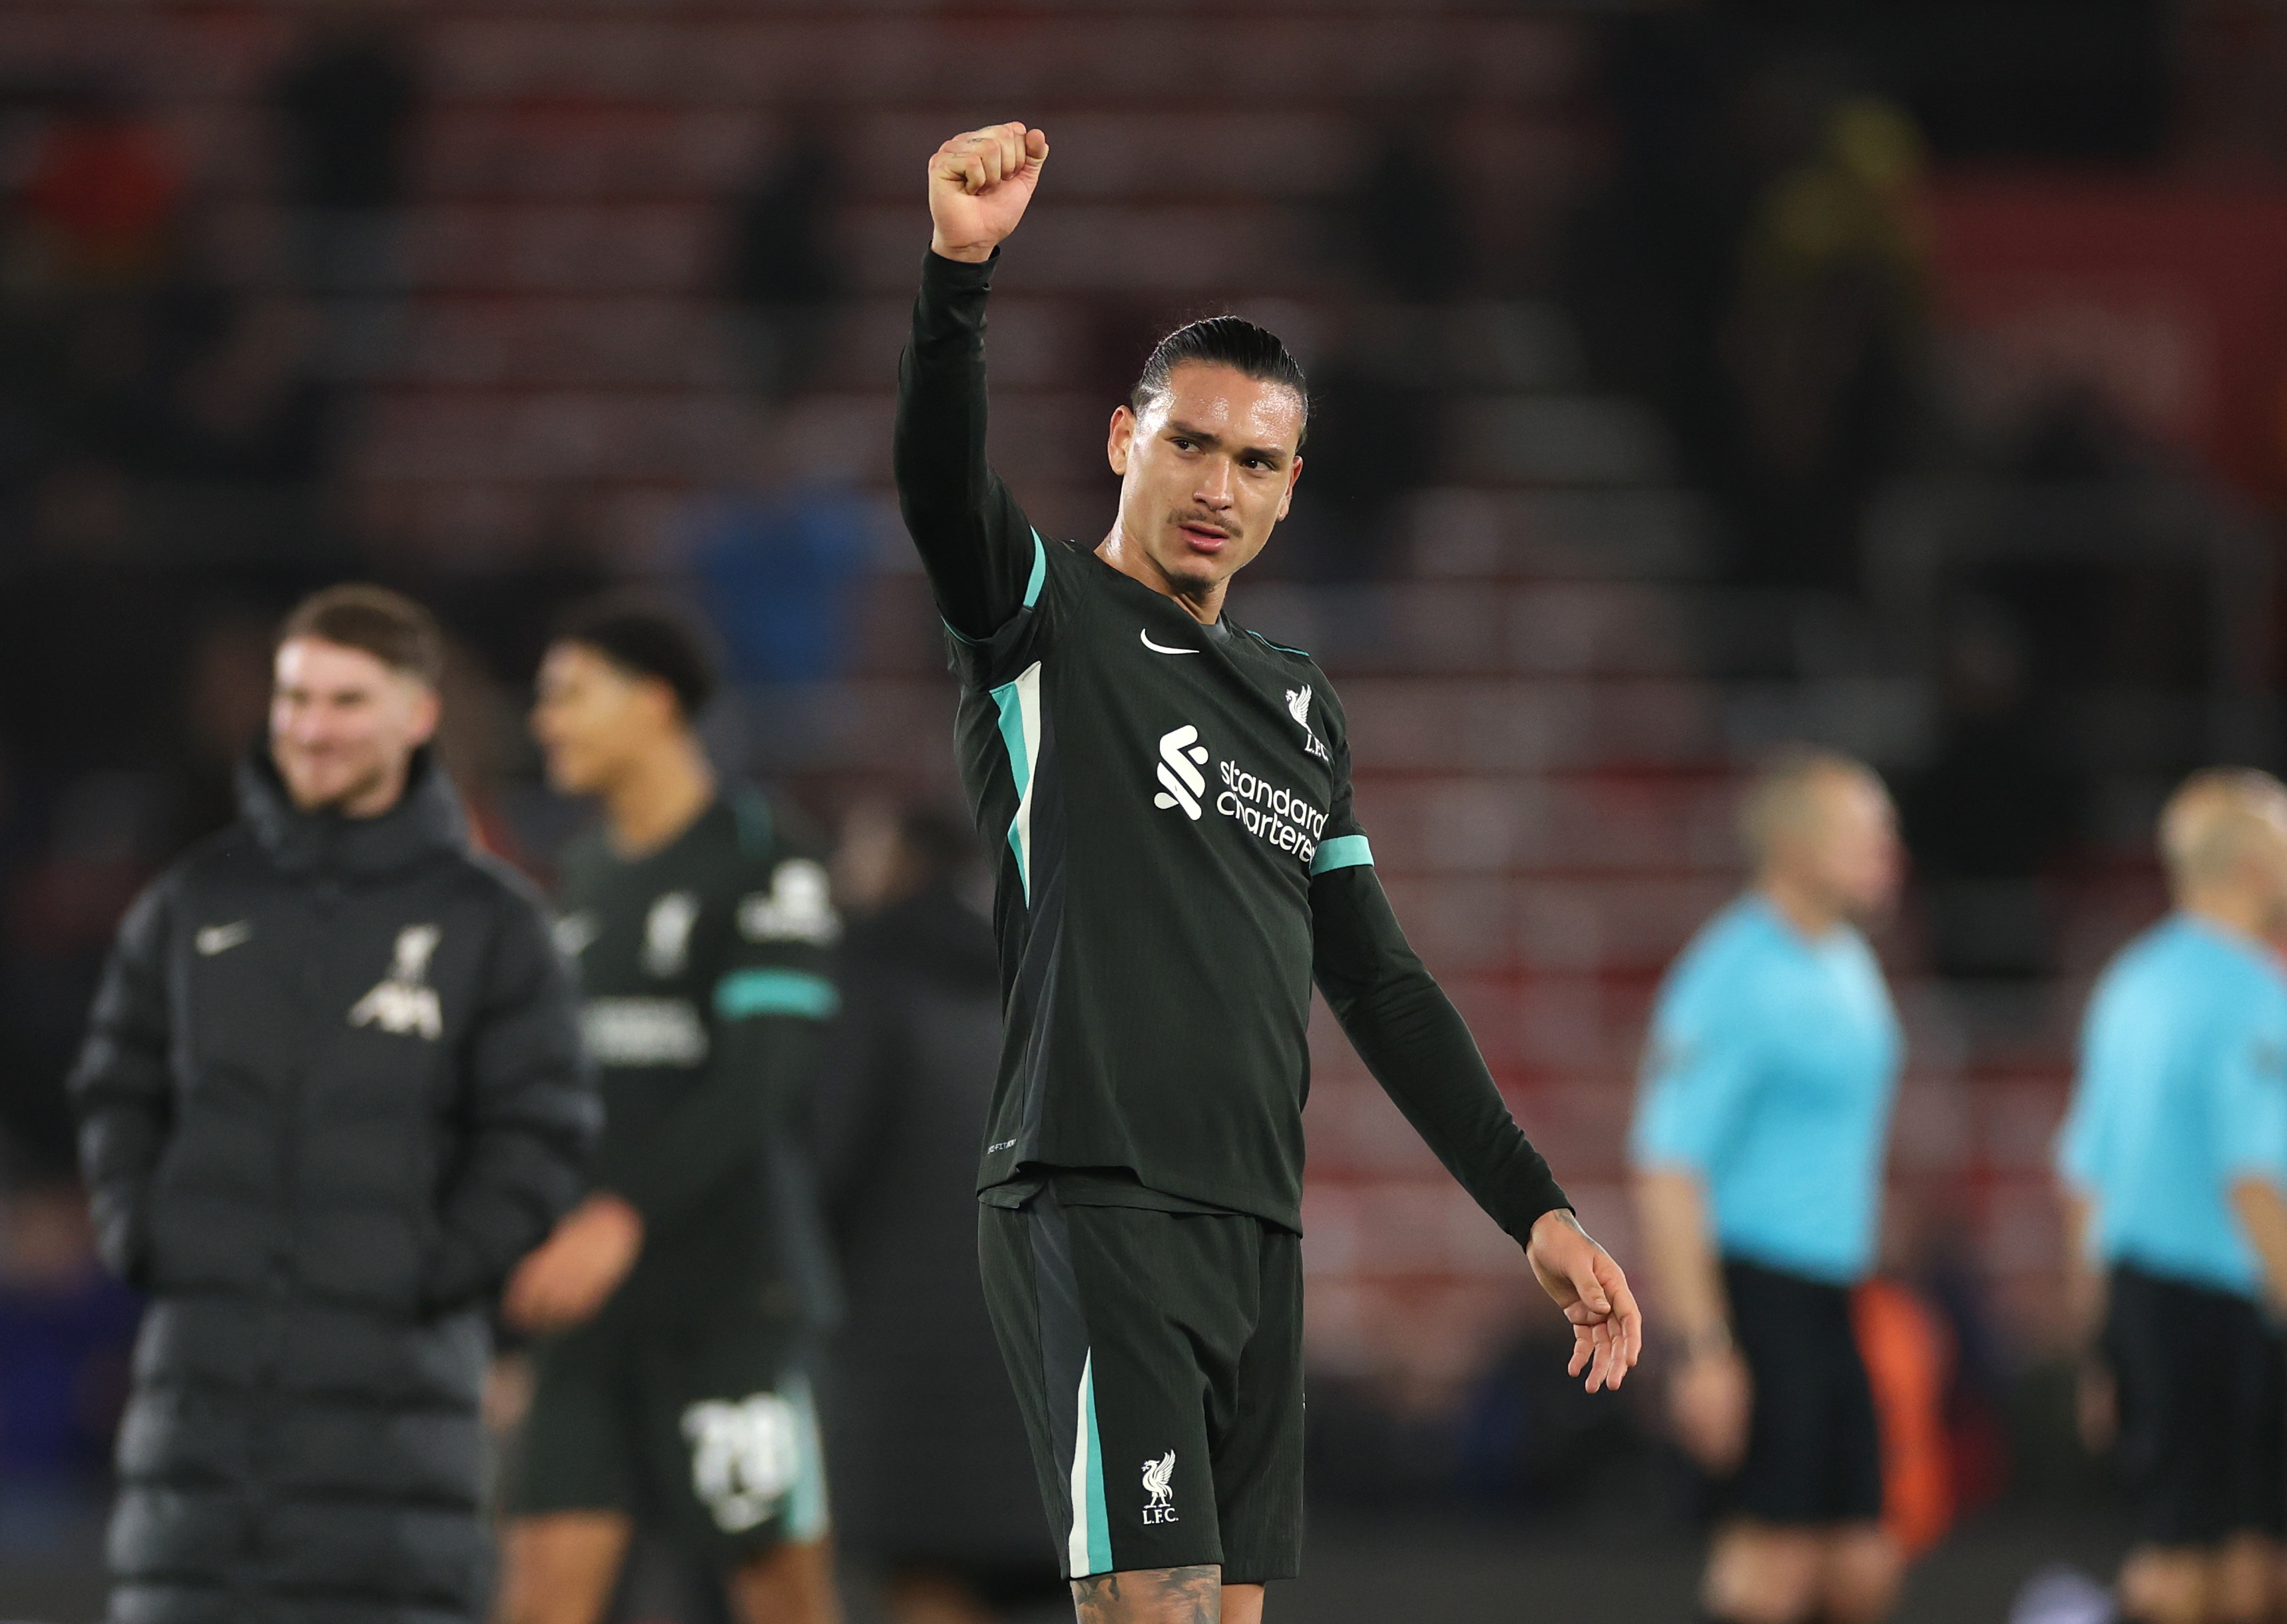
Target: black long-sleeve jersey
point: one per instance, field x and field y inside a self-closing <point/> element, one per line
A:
<point x="704" y="985"/>
<point x="1178" y="856"/>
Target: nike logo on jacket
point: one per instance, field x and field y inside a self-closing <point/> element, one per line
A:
<point x="212" y="939"/>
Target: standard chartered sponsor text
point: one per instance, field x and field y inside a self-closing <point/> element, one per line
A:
<point x="643" y="1032"/>
<point x="1280" y="816"/>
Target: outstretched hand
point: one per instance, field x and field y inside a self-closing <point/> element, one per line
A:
<point x="978" y="187"/>
<point x="1581" y="1278"/>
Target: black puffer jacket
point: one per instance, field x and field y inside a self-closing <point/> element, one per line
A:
<point x="332" y="1091"/>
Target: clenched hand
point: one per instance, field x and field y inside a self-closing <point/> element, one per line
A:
<point x="978" y="187"/>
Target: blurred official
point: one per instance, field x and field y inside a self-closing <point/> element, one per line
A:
<point x="679" y="1300"/>
<point x="917" y="1375"/>
<point x="1758" y="1146"/>
<point x="332" y="1092"/>
<point x="2173" y="1158"/>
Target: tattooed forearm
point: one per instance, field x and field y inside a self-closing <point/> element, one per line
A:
<point x="1151" y="1595"/>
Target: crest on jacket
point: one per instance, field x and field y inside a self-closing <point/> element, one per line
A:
<point x="404" y="1002"/>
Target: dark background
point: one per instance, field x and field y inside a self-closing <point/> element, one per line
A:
<point x="1907" y="376"/>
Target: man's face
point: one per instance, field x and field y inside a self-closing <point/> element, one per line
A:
<point x="1851" y="846"/>
<point x="592" y="718"/>
<point x="344" y="725"/>
<point x="1206" y="471"/>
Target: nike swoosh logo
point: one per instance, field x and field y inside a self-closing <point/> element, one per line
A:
<point x="575" y="933"/>
<point x="212" y="939"/>
<point x="1160" y="649"/>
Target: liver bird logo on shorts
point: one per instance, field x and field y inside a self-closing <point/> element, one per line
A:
<point x="1158" y="1482"/>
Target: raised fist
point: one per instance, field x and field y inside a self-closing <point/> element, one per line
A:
<point x="979" y="185"/>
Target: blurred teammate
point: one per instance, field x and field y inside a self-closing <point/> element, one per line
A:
<point x="331" y="1094"/>
<point x="1758" y="1146"/>
<point x="916" y="1374"/>
<point x="680" y="1298"/>
<point x="1168" y="797"/>
<point x="2173" y="1158"/>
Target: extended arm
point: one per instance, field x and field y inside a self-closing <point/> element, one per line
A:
<point x="529" y="1114"/>
<point x="2261" y="1209"/>
<point x="1418" y="1048"/>
<point x="1702" y="1069"/>
<point x="2249" y="1121"/>
<point x="120" y="1092"/>
<point x="1710" y="1389"/>
<point x="1671" y="1214"/>
<point x="982" y="557"/>
<point x="2096" y="1401"/>
<point x="2084" y="1284"/>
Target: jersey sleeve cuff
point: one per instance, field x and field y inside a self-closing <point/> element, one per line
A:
<point x="1535" y="1205"/>
<point x="958" y="275"/>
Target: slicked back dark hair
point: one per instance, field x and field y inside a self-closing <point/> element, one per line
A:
<point x="1222" y="341"/>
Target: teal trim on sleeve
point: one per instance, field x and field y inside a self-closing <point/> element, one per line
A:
<point x="1281" y="647"/>
<point x="747" y="992"/>
<point x="1031" y="591"/>
<point x="1019" y="703"/>
<point x="1343" y="852"/>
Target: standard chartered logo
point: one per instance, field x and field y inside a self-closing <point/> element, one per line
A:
<point x="1284" y="818"/>
<point x="1181" y="782"/>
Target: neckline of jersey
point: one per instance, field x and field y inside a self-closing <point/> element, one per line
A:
<point x="718" y="806"/>
<point x="1222" y="629"/>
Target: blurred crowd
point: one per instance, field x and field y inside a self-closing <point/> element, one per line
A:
<point x="180" y="430"/>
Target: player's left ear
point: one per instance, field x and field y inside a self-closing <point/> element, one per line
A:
<point x="1286" y="497"/>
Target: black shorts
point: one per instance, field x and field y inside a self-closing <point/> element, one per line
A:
<point x="1814" y="1453"/>
<point x="1158" y="1362"/>
<point x="705" y="1432"/>
<point x="2202" y="1442"/>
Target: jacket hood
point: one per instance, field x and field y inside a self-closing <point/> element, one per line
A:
<point x="427" y="820"/>
<point x="935" y="933"/>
